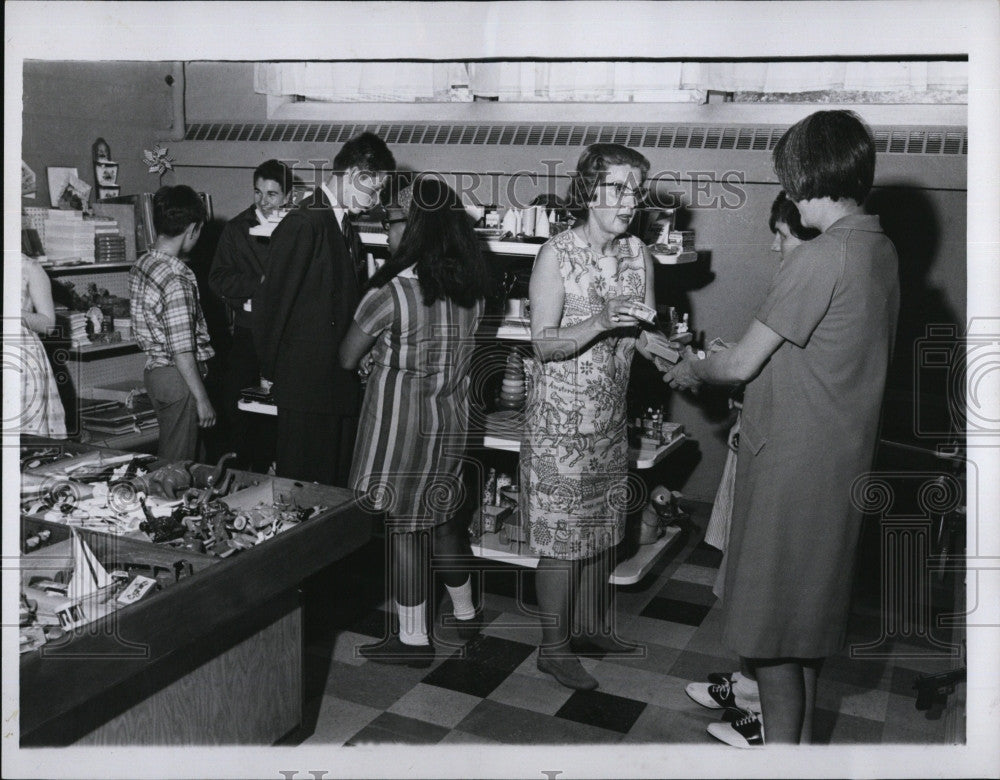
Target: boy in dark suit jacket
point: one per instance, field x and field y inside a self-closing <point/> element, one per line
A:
<point x="303" y="309"/>
<point x="237" y="269"/>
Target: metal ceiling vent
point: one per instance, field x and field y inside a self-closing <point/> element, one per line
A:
<point x="892" y="140"/>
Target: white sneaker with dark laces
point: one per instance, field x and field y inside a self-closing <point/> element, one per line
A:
<point x="745" y="732"/>
<point x="717" y="696"/>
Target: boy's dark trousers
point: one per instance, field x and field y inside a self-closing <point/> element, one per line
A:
<point x="176" y="413"/>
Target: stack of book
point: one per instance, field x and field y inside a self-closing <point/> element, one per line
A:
<point x="113" y="417"/>
<point x="72" y="325"/>
<point x="70" y="237"/>
<point x="109" y="247"/>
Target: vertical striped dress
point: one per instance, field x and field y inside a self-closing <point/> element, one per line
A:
<point x="414" y="417"/>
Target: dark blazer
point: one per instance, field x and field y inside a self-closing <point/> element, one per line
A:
<point x="303" y="310"/>
<point x="239" y="264"/>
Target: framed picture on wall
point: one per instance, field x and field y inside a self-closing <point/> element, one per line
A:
<point x="106" y="173"/>
<point x="108" y="192"/>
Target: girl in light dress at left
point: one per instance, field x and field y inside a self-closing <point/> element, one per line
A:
<point x="42" y="411"/>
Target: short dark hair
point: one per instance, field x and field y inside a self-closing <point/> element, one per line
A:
<point x="442" y="247"/>
<point x="591" y="169"/>
<point x="366" y="152"/>
<point x="275" y="170"/>
<point x="174" y="208"/>
<point x="829" y="154"/>
<point x="784" y="210"/>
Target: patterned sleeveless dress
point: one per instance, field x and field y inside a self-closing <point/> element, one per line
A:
<point x="574" y="455"/>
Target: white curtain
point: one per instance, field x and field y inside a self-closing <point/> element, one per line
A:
<point x="827" y="76"/>
<point x="595" y="81"/>
<point x="361" y="81"/>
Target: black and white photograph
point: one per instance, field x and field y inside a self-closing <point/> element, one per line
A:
<point x="542" y="389"/>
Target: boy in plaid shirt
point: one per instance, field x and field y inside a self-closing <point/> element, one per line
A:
<point x="169" y="325"/>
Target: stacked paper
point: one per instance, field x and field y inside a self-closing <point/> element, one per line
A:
<point x="68" y="237"/>
<point x="72" y="325"/>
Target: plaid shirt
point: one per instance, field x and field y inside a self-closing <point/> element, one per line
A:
<point x="166" y="316"/>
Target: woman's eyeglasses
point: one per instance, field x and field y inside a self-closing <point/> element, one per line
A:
<point x="620" y="191"/>
<point x="387" y="223"/>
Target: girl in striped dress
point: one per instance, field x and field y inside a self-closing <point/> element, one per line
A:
<point x="418" y="321"/>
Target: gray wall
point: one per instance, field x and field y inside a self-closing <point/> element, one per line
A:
<point x="921" y="199"/>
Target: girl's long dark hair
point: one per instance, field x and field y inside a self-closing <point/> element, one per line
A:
<point x="441" y="245"/>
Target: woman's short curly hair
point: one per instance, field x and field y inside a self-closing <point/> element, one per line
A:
<point x="591" y="169"/>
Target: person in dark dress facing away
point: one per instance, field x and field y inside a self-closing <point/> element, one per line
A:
<point x="817" y="353"/>
<point x="316" y="268"/>
<point x="237" y="270"/>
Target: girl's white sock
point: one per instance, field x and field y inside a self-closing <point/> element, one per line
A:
<point x="461" y="600"/>
<point x="413" y="624"/>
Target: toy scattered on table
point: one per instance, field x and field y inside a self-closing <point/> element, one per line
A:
<point x="512" y="387"/>
<point x="186" y="505"/>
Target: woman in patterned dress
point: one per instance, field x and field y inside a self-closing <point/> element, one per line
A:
<point x="418" y="320"/>
<point x="584" y="288"/>
<point x="42" y="412"/>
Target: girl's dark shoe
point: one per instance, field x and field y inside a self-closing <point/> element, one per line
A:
<point x="393" y="651"/>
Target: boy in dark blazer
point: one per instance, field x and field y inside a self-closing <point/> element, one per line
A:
<point x="304" y="307"/>
<point x="237" y="269"/>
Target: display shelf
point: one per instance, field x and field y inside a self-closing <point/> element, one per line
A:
<point x="98" y="351"/>
<point x="521" y="248"/>
<point x="122" y="441"/>
<point x="628" y="572"/>
<point x="500" y="434"/>
<point x="680" y="258"/>
<point x="257" y="407"/>
<point x="55" y="269"/>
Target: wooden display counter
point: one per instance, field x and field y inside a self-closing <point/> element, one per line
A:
<point x="215" y="658"/>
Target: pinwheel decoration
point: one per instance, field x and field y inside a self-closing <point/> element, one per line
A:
<point x="158" y="161"/>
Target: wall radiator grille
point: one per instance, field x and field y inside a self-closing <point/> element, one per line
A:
<point x="893" y="140"/>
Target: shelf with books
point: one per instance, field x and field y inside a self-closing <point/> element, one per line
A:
<point x="65" y="269"/>
<point x="98" y="351"/>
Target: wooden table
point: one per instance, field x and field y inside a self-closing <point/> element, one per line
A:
<point x="214" y="659"/>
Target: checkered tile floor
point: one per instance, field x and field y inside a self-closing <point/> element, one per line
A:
<point x="489" y="691"/>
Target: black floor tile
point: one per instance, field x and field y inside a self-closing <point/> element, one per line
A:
<point x="676" y="611"/>
<point x="391" y="728"/>
<point x="705" y="555"/>
<point x="475" y="679"/>
<point x="602" y="710"/>
<point x="503" y="654"/>
<point x="691" y="592"/>
<point x="516" y="726"/>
